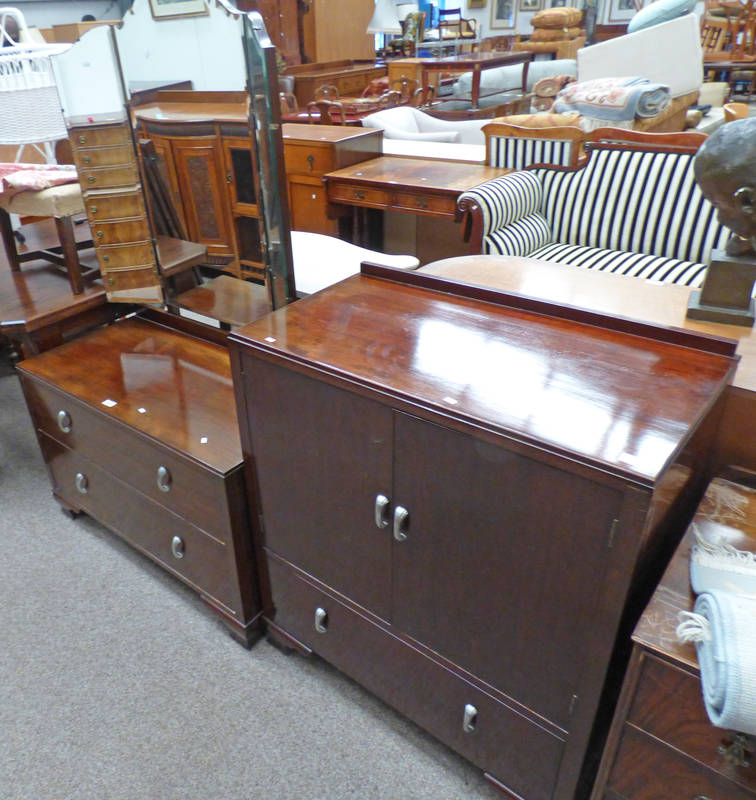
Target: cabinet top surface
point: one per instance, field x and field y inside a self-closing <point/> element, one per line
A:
<point x="164" y="383"/>
<point x="622" y="402"/>
<point x="727" y="515"/>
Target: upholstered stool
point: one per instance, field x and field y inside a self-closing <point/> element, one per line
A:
<point x="61" y="202"/>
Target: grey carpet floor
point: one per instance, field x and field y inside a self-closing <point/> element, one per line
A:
<point x="116" y="683"/>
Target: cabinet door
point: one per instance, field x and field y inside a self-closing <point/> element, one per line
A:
<point x="502" y="564"/>
<point x="322" y="455"/>
<point x="199" y="165"/>
<point x="309" y="207"/>
<point x="163" y="149"/>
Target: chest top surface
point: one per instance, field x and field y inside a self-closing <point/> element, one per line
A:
<point x="623" y="402"/>
<point x="166" y="384"/>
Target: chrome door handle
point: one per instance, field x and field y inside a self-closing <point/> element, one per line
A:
<point x="82" y="483"/>
<point x="382" y="516"/>
<point x="64" y="421"/>
<point x="401" y="523"/>
<point x="164" y="479"/>
<point x="321" y="620"/>
<point x="178" y="548"/>
<point x="470" y="718"/>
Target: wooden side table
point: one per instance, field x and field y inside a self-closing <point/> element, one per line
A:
<point x="661" y="744"/>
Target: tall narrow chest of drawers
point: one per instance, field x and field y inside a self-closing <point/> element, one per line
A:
<point x="137" y="428"/>
<point x="462" y="493"/>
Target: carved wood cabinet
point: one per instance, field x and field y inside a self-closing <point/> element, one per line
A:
<point x="460" y="492"/>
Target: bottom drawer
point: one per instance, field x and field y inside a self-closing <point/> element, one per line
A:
<point x="199" y="560"/>
<point x="518" y="753"/>
<point x="646" y="769"/>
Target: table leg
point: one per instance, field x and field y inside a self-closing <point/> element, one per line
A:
<point x="476" y="87"/>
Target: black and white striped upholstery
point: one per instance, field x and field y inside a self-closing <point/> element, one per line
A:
<point x="518" y="153"/>
<point x="627" y="211"/>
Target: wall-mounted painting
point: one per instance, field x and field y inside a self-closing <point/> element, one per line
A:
<point x="476" y="3"/>
<point x="169" y="9"/>
<point x="623" y="10"/>
<point x="531" y="5"/>
<point x="503" y="14"/>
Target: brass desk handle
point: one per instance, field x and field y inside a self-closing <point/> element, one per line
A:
<point x="359" y="194"/>
<point x="93" y="209"/>
<point x="100" y="234"/>
<point x="229" y="176"/>
<point x="422" y="202"/>
<point x="311" y="161"/>
<point x="91" y="178"/>
<point x="82" y="139"/>
<point x="86" y="159"/>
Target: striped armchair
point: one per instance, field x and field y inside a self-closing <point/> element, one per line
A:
<point x="629" y="211"/>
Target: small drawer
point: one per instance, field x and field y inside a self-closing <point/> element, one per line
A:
<point x="308" y="160"/>
<point x="120" y="232"/>
<point x="432" y="204"/>
<point x="126" y="255"/>
<point x="356" y="195"/>
<point x="646" y="769"/>
<point x="353" y="84"/>
<point x="106" y="177"/>
<point x="470" y="721"/>
<point x="187" y="489"/>
<point x="204" y="563"/>
<point x="103" y="157"/>
<point x="683" y="724"/>
<point x="123" y="278"/>
<point x="115" y="205"/>
<point x="99" y="136"/>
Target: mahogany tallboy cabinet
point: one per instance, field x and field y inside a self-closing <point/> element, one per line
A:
<point x="136" y="426"/>
<point x="463" y="495"/>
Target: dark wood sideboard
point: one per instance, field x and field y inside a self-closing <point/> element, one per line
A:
<point x="349" y="76"/>
<point x="662" y="744"/>
<point x="136" y="428"/>
<point x="480" y="486"/>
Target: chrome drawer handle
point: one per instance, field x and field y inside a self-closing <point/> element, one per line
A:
<point x="64" y="421"/>
<point x="470" y="718"/>
<point x="82" y="483"/>
<point x="401" y="522"/>
<point x="321" y="620"/>
<point x="178" y="548"/>
<point x="382" y="516"/>
<point x="164" y="479"/>
<point x="737" y="750"/>
<point x="701" y="797"/>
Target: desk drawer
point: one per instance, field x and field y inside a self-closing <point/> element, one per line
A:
<point x="358" y="195"/>
<point x="103" y="157"/>
<point x="419" y="687"/>
<point x="646" y="769"/>
<point x="352" y="84"/>
<point x="307" y="160"/>
<point x="115" y="205"/>
<point x="120" y="232"/>
<point x="192" y="492"/>
<point x="682" y="722"/>
<point x="106" y="177"/>
<point x="433" y="204"/>
<point x="99" y="136"/>
<point x="175" y="544"/>
<point x="126" y="255"/>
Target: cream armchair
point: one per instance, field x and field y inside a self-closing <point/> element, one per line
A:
<point x="406" y="122"/>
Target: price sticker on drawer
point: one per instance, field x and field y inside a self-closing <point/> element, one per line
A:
<point x="109" y="403"/>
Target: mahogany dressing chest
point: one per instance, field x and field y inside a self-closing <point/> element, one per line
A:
<point x="463" y="494"/>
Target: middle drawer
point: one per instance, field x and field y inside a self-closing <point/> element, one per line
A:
<point x="122" y="231"/>
<point x="156" y="471"/>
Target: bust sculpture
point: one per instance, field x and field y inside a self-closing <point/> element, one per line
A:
<point x="725" y="169"/>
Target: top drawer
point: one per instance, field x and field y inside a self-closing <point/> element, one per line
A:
<point x="99" y="136"/>
<point x="162" y="474"/>
<point x="307" y="159"/>
<point x="683" y="723"/>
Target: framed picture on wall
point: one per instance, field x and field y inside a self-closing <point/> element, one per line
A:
<point x="623" y="10"/>
<point x="531" y="5"/>
<point x="170" y="9"/>
<point x="503" y="14"/>
<point x="476" y="3"/>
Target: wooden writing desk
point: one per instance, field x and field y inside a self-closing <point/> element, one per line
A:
<point x="475" y="63"/>
<point x="407" y="184"/>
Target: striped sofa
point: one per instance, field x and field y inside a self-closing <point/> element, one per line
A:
<point x="628" y="211"/>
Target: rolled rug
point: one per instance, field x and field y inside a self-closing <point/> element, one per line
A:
<point x="720" y="566"/>
<point x="723" y="628"/>
<point x="615" y="99"/>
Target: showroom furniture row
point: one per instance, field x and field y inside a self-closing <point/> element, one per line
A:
<point x="203" y="139"/>
<point x="632" y="210"/>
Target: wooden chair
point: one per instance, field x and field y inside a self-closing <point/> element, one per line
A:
<point x="326" y="92"/>
<point x="325" y="112"/>
<point x="410" y="90"/>
<point x="288" y="103"/>
<point x="733" y="111"/>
